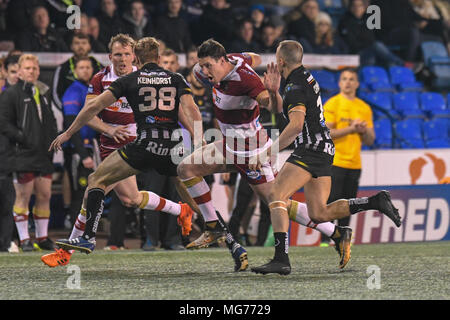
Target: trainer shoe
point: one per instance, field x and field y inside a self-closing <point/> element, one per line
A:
<point x="207" y="238"/>
<point x="60" y="257"/>
<point x="273" y="267"/>
<point x="385" y="206"/>
<point x="80" y="244"/>
<point x="343" y="245"/>
<point x="46" y="244"/>
<point x="185" y="219"/>
<point x="26" y="246"/>
<point x="240" y="258"/>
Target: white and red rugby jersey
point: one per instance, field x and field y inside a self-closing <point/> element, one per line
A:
<point x="119" y="113"/>
<point x="236" y="108"/>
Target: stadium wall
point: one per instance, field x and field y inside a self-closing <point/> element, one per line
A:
<point x="411" y="176"/>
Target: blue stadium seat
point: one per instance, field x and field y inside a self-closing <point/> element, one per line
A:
<point x="433" y="104"/>
<point x="436" y="129"/>
<point x="383" y="133"/>
<point x="403" y="78"/>
<point x="376" y="78"/>
<point x="437" y="60"/>
<point x="438" y="143"/>
<point x="326" y="80"/>
<point x="381" y="100"/>
<point x="407" y="104"/>
<point x="409" y="134"/>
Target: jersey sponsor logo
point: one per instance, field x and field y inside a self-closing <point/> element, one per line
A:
<point x="253" y="174"/>
<point x="90" y="89"/>
<point x="150" y="119"/>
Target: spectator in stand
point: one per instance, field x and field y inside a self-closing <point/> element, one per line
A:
<point x="398" y="21"/>
<point x="40" y="37"/>
<point x="173" y="29"/>
<point x="137" y="23"/>
<point x="19" y="14"/>
<point x="11" y="71"/>
<point x="65" y="73"/>
<point x="280" y="26"/>
<point x="6" y="32"/>
<point x="361" y="40"/>
<point x="78" y="153"/>
<point x="216" y="22"/>
<point x="304" y="28"/>
<point x="28" y="122"/>
<point x="191" y="60"/>
<point x="269" y="40"/>
<point x="96" y="45"/>
<point x="94" y="32"/>
<point x="258" y="18"/>
<point x="109" y="21"/>
<point x="434" y="27"/>
<point x="327" y="41"/>
<point x="169" y="60"/>
<point x="244" y="41"/>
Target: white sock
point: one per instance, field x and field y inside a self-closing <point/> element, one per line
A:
<point x="299" y="213"/>
<point x="21" y="221"/>
<point x="200" y="192"/>
<point x="41" y="224"/>
<point x="152" y="201"/>
<point x="78" y="227"/>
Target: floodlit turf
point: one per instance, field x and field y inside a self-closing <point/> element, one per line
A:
<point x="407" y="271"/>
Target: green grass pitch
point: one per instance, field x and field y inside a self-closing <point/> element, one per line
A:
<point x="406" y="271"/>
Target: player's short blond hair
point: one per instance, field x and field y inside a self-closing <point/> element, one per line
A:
<point x="147" y="50"/>
<point x="123" y="39"/>
<point x="291" y="51"/>
<point x="28" y="56"/>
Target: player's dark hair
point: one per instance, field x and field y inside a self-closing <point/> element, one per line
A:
<point x="80" y="36"/>
<point x="10" y="60"/>
<point x="351" y="70"/>
<point x="211" y="48"/>
<point x="82" y="59"/>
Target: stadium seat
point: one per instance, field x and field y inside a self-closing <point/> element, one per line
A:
<point x="326" y="80"/>
<point x="438" y="143"/>
<point x="436" y="129"/>
<point x="409" y="134"/>
<point x="407" y="104"/>
<point x="383" y="133"/>
<point x="433" y="104"/>
<point x="376" y="78"/>
<point x="404" y="80"/>
<point x="437" y="60"/>
<point x="381" y="103"/>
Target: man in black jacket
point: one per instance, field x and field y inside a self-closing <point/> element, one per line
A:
<point x="65" y="73"/>
<point x="27" y="120"/>
<point x="41" y="37"/>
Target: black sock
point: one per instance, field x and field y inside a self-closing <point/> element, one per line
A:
<point x="336" y="234"/>
<point x="94" y="210"/>
<point x="231" y="243"/>
<point x="362" y="204"/>
<point x="281" y="247"/>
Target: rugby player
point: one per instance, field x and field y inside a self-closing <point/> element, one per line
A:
<point x="309" y="165"/>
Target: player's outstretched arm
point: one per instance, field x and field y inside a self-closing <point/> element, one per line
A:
<point x="294" y="127"/>
<point x="256" y="59"/>
<point x="118" y="133"/>
<point x="191" y="118"/>
<point x="272" y="80"/>
<point x="90" y="109"/>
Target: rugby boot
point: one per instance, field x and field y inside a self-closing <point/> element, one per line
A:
<point x="60" y="257"/>
<point x="240" y="258"/>
<point x="79" y="244"/>
<point x="185" y="219"/>
<point x="343" y="245"/>
<point x="383" y="203"/>
<point x="273" y="267"/>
